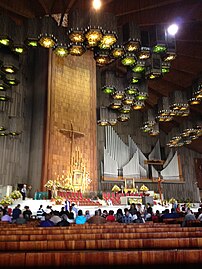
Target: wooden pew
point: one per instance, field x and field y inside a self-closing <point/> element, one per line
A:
<point x="65" y="259"/>
<point x="80" y="236"/>
<point x="102" y="244"/>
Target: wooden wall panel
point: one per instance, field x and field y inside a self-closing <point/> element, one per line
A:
<point x="72" y="104"/>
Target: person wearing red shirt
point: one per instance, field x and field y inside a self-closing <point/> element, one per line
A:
<point x="110" y="217"/>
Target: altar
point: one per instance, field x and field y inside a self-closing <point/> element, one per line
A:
<point x="126" y="200"/>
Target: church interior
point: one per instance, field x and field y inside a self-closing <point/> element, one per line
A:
<point x="82" y="109"/>
<point x="102" y="102"/>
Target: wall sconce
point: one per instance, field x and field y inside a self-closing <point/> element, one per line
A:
<point x="15" y="126"/>
<point x="3" y="86"/>
<point x="93" y="31"/>
<point x="123" y="117"/>
<point x="4" y="97"/>
<point x="107" y="82"/>
<point x="3" y="121"/>
<point x="164" y="112"/>
<point x="143" y="91"/>
<point x="115" y="104"/>
<point x="149" y="122"/>
<point x="32" y="32"/>
<point x="139" y="67"/>
<point x="76" y="49"/>
<point x="179" y="103"/>
<point x="131" y="37"/>
<point x="109" y="26"/>
<point x="128" y="59"/>
<point x="11" y="80"/>
<point x="137" y="105"/>
<point x="132" y="90"/>
<point x="134" y="77"/>
<point x="61" y="49"/>
<point x="165" y="67"/>
<point x="118" y="95"/>
<point x="6" y="25"/>
<point x="11" y="64"/>
<point x="197" y="89"/>
<point x="145" y="49"/>
<point x="128" y="99"/>
<point x="117" y="51"/>
<point x="75" y="25"/>
<point x="112" y="117"/>
<point x="102" y="57"/>
<point x="155" y="130"/>
<point x="125" y="109"/>
<point x="18" y="45"/>
<point x="157" y="36"/>
<point x="153" y="67"/>
<point x="108" y="40"/>
<point x="47" y="37"/>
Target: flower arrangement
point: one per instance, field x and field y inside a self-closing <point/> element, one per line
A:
<point x="15" y="195"/>
<point x="172" y="200"/>
<point x="7" y="200"/>
<point x="49" y="184"/>
<point x="144" y="188"/>
<point x="116" y="188"/>
<point x="67" y="187"/>
<point x="59" y="200"/>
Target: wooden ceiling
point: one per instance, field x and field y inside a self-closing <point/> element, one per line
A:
<point x="184" y="69"/>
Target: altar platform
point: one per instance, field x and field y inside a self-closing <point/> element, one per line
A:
<point x="34" y="205"/>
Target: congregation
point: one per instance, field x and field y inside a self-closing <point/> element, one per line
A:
<point x="68" y="214"/>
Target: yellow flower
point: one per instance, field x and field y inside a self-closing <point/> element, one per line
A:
<point x="144" y="188"/>
<point x="116" y="188"/>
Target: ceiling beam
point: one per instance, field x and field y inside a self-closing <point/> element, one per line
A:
<point x="149" y="7"/>
<point x="21" y="8"/>
<point x="44" y="6"/>
<point x="186" y="71"/>
<point x="144" y="16"/>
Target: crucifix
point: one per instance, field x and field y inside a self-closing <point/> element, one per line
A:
<point x="73" y="134"/>
<point x="158" y="165"/>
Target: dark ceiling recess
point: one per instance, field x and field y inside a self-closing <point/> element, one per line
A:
<point x="184" y="70"/>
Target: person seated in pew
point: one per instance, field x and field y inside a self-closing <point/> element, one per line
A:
<point x="70" y="217"/>
<point x="169" y="215"/>
<point x="189" y="216"/>
<point x="127" y="217"/>
<point x="139" y="218"/>
<point x="80" y="219"/>
<point x="64" y="221"/>
<point x="16" y="213"/>
<point x="87" y="214"/>
<point x="47" y="222"/>
<point x="55" y="217"/>
<point x="104" y="213"/>
<point x="6" y="218"/>
<point x="27" y="213"/>
<point x="156" y="217"/>
<point x="110" y="217"/>
<point x="119" y="215"/>
<point x="21" y="220"/>
<point x="40" y="212"/>
<point x="96" y="219"/>
<point x="199" y="216"/>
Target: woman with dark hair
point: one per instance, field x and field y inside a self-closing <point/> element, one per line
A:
<point x="80" y="219"/>
<point x="110" y="217"/>
<point x="119" y="215"/>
